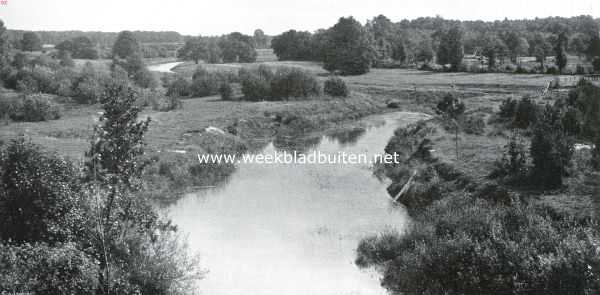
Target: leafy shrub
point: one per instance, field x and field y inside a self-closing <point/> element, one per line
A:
<point x="552" y="70"/>
<point x="525" y="113"/>
<point x="336" y="87"/>
<point x="256" y="85"/>
<point x="585" y="99"/>
<point x="474" y="124"/>
<point x="293" y="82"/>
<point x="29" y="108"/>
<point x="508" y="108"/>
<point x="42" y="269"/>
<point x="470" y="246"/>
<point x="595" y="159"/>
<point x="226" y="91"/>
<point x="158" y="101"/>
<point x="571" y="121"/>
<point x="513" y="164"/>
<point x="264" y="84"/>
<point x="38" y="200"/>
<point x="551" y="149"/>
<point x="450" y="106"/>
<point x="179" y="87"/>
<point x="596" y="64"/>
<point x="205" y="83"/>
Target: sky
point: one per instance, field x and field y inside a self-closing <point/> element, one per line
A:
<point x="216" y="17"/>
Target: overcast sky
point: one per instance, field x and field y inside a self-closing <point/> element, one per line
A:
<point x="217" y="17"/>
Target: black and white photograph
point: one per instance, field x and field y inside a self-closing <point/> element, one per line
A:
<point x="311" y="147"/>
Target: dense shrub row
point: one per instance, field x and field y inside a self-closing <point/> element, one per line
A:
<point x="28" y="108"/>
<point x="264" y="83"/>
<point x="203" y="83"/>
<point x="465" y="245"/>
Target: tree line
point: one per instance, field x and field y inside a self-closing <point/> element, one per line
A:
<point x="352" y="48"/>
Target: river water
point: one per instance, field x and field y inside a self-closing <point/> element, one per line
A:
<point x="293" y="229"/>
<point x="164" y="67"/>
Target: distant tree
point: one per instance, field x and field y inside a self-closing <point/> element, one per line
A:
<point x="65" y="58"/>
<point x="450" y="50"/>
<point x="540" y="48"/>
<point x="237" y="47"/>
<point x="319" y="41"/>
<point x="19" y="60"/>
<point x="260" y="39"/>
<point x="79" y="47"/>
<point x="559" y="50"/>
<point x="31" y="42"/>
<point x="4" y="46"/>
<point x="214" y="53"/>
<point x="126" y="45"/>
<point x="293" y="45"/>
<point x="451" y="108"/>
<point x="493" y="48"/>
<point x="593" y="49"/>
<point x="516" y="45"/>
<point x="348" y="49"/>
<point x="381" y="27"/>
<point x="578" y="44"/>
<point x="512" y="41"/>
<point x="424" y="51"/>
<point x="195" y="49"/>
<point x="127" y="54"/>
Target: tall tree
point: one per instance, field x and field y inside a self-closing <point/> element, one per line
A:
<point x="126" y="45"/>
<point x="79" y="47"/>
<point x="493" y="48"/>
<point x="195" y="48"/>
<point x="31" y="42"/>
<point x="293" y="45"/>
<point x="4" y="46"/>
<point x="578" y="44"/>
<point x="450" y="50"/>
<point x="237" y="47"/>
<point x="559" y="50"/>
<point x="540" y="48"/>
<point x="348" y="50"/>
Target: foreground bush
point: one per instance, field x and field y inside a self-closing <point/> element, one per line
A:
<point x="336" y="87"/>
<point x="42" y="269"/>
<point x="463" y="245"/>
<point x="94" y="233"/>
<point x="38" y="198"/>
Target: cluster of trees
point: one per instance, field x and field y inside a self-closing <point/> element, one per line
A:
<point x="55" y="74"/>
<point x="79" y="47"/>
<point x="235" y="47"/>
<point x="103" y="39"/>
<point x="384" y="43"/>
<point x="256" y="84"/>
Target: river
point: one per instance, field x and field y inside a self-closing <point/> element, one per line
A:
<point x="164" y="67"/>
<point x="293" y="229"/>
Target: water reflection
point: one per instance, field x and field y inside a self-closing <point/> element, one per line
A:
<point x="346" y="137"/>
